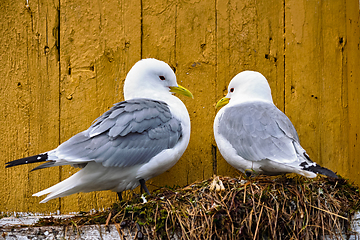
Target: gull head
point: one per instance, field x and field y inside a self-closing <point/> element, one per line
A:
<point x="247" y="86"/>
<point x="149" y="78"/>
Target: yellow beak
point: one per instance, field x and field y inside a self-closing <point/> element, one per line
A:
<point x="181" y="90"/>
<point x="222" y="102"/>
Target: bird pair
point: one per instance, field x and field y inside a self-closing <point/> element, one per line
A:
<point x="146" y="134"/>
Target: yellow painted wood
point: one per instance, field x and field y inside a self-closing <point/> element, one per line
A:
<point x="316" y="80"/>
<point x="352" y="88"/>
<point x="195" y="62"/>
<point x="55" y="85"/>
<point x="29" y="100"/>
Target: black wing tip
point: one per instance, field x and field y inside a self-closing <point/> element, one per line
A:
<point x="44" y="165"/>
<point x="32" y="159"/>
<point x="318" y="170"/>
<point x="328" y="173"/>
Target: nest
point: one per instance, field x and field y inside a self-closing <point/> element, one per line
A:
<point x="285" y="207"/>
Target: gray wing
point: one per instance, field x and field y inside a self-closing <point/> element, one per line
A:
<point x="259" y="131"/>
<point x="130" y="133"/>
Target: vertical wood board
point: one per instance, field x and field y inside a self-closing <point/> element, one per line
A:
<point x="29" y="100"/>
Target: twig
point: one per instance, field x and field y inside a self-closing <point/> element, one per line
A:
<point x="244" y="194"/>
<point x="257" y="224"/>
<point x="117" y="226"/>
<point x="330" y="212"/>
<point x="108" y="220"/>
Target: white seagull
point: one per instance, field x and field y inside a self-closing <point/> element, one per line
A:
<point x="253" y="135"/>
<point x="135" y="140"/>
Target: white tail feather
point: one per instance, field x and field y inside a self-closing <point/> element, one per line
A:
<point x="62" y="189"/>
<point x="93" y="177"/>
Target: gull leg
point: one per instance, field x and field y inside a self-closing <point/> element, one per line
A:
<point x="119" y="195"/>
<point x="143" y="186"/>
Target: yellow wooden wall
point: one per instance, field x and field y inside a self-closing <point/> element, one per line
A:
<point x="63" y="63"/>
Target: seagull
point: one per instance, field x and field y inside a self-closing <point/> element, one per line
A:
<point x="137" y="139"/>
<point x="254" y="136"/>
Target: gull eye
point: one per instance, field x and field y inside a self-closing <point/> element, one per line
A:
<point x="231" y="89"/>
<point x="162" y="78"/>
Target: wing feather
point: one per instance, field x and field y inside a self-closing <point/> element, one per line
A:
<point x="259" y="131"/>
<point x="131" y="132"/>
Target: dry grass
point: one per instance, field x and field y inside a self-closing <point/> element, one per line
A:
<point x="283" y="207"/>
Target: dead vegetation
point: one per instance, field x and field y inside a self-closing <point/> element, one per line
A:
<point x="283" y="207"/>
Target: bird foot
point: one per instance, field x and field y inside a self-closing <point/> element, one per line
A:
<point x="249" y="173"/>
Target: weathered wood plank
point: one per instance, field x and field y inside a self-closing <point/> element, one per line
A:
<point x="159" y="30"/>
<point x="315" y="79"/>
<point x="352" y="74"/>
<point x="196" y="70"/>
<point x="249" y="37"/>
<point x="99" y="44"/>
<point x="30" y="102"/>
<point x="179" y="33"/>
